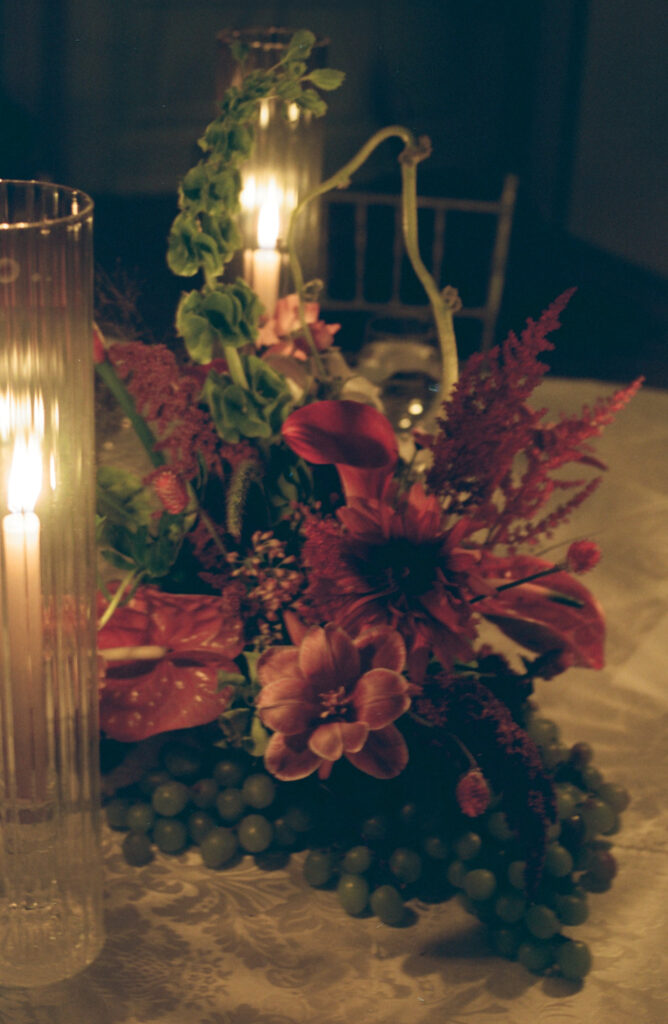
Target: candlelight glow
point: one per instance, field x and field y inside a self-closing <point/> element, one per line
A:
<point x="267" y="225"/>
<point x="25" y="476"/>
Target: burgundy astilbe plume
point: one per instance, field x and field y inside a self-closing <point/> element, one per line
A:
<point x="488" y="425"/>
<point x="168" y="399"/>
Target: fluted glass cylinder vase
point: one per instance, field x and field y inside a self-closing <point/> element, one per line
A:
<point x="50" y="869"/>
<point x="284" y="167"/>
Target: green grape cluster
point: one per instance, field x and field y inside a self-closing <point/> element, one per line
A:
<point x="379" y="847"/>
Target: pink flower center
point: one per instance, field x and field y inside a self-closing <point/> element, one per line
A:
<point x="335" y="703"/>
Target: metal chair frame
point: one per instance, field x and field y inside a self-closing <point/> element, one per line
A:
<point x="502" y="208"/>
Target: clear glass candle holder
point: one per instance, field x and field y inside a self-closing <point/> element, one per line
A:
<point x="50" y="867"/>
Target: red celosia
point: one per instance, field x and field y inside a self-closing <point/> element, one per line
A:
<point x="168" y="399"/>
<point x="582" y="556"/>
<point x="472" y="793"/>
<point x="333" y="697"/>
<point x="163" y="653"/>
<point x="170" y="489"/>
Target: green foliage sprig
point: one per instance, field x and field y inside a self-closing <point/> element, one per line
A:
<point x="220" y="318"/>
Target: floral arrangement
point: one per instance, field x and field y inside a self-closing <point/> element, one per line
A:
<point x="329" y="645"/>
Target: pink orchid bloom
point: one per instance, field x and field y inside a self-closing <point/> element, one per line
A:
<point x="334" y="697"/>
<point x="162" y="654"/>
<point x="355" y="437"/>
<point x="281" y="333"/>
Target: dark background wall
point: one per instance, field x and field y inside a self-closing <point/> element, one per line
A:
<point x="570" y="94"/>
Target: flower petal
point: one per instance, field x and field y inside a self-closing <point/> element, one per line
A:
<point x="356" y="438"/>
<point x="278" y="663"/>
<point x="384" y="755"/>
<point x="289" y="758"/>
<point x="381" y="647"/>
<point x="552" y="613"/>
<point x="329" y="658"/>
<point x="136" y="704"/>
<point x="326" y="741"/>
<point x="287" y="705"/>
<point x="380" y="696"/>
<point x="354" y="735"/>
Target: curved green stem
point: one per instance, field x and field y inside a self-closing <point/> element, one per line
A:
<point x="414" y="151"/>
<point x="122" y="587"/>
<point x="235" y="366"/>
<point x="107" y="373"/>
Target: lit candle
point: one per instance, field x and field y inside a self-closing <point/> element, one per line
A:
<point x="265" y="263"/>
<point x="21" y="544"/>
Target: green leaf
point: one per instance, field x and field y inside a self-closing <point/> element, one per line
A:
<point x="326" y="78"/>
<point x="239" y="51"/>
<point x="299" y="47"/>
<point x="310" y="100"/>
<point x="122" y="499"/>
<point x="256" y="743"/>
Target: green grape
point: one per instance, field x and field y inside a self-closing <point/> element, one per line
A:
<point x="357" y="860"/>
<point x="615" y="796"/>
<point x="353" y="893"/>
<point x="581" y="754"/>
<point x="455" y="873"/>
<point x="181" y="761"/>
<point x="284" y="836"/>
<point x="554" y="754"/>
<point x="170" y="798"/>
<point x="299" y="818"/>
<point x="318" y="867"/>
<point x="510" y="907"/>
<point x="541" y="921"/>
<point x="535" y="956"/>
<point x="553" y="831"/>
<point x="498" y="827"/>
<point x="592" y="778"/>
<point x="140" y="817"/>
<point x="375" y="828"/>
<point x="479" y="884"/>
<point x="230" y="804"/>
<point x="542" y="731"/>
<point x="218" y="847"/>
<point x="116" y="812"/>
<point x="468" y="846"/>
<point x="558" y="861"/>
<point x="573" y="959"/>
<point x="571" y="909"/>
<point x="199" y="825"/>
<point x="203" y="793"/>
<point x="170" y="835"/>
<point x="387" y="903"/>
<point x="405" y="864"/>
<point x="228" y="772"/>
<point x="435" y="847"/>
<point x="137" y="849"/>
<point x="601" y="869"/>
<point x="407" y="814"/>
<point x="597" y="816"/>
<point x="258" y="790"/>
<point x="506" y="941"/>
<point x="515" y="874"/>
<point x="566" y="802"/>
<point x="255" y="833"/>
<point x="152" y="779"/>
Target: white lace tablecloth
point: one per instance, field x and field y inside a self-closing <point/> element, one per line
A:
<point x="191" y="946"/>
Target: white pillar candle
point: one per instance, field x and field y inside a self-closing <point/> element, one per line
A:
<point x="23" y="595"/>
<point x="265" y="261"/>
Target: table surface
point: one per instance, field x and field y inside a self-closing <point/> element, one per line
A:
<point x="191" y="946"/>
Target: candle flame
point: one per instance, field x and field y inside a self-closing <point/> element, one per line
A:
<point x="25" y="475"/>
<point x="267" y="225"/>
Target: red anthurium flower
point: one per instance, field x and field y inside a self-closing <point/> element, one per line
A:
<point x="163" y="653"/>
<point x="552" y="612"/>
<point x="354" y="437"/>
<point x="335" y="697"/>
